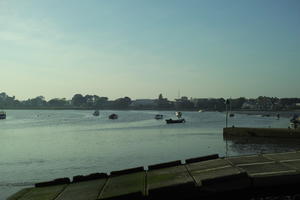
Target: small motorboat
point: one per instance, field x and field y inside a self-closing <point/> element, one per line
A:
<point x="174" y="121"/>
<point x="113" y="116"/>
<point x="96" y="113"/>
<point x="159" y="116"/>
<point x="231" y="115"/>
<point x="2" y="115"/>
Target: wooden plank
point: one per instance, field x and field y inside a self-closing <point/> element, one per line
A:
<point x="202" y="175"/>
<point x="294" y="164"/>
<point x="19" y="194"/>
<point x="271" y="174"/>
<point x="209" y="164"/>
<point x="87" y="190"/>
<point x="43" y="193"/>
<point x="124" y="186"/>
<point x="283" y="156"/>
<point x="218" y="176"/>
<point x="266" y="169"/>
<point x="244" y="160"/>
<point x="168" y="182"/>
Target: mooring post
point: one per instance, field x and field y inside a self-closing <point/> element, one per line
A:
<point x="227" y="103"/>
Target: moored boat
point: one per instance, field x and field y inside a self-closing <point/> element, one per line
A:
<point x="113" y="116"/>
<point x="159" y="116"/>
<point x="174" y="121"/>
<point x="2" y="115"/>
<point x="96" y="113"/>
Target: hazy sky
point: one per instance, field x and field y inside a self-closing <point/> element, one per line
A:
<point x="140" y="48"/>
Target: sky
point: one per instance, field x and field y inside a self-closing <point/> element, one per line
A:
<point x="141" y="48"/>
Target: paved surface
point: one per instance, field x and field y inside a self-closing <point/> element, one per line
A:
<point x="207" y="176"/>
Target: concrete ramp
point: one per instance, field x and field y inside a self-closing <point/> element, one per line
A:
<point x="208" y="177"/>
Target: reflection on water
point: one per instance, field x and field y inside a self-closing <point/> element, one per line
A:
<point x="237" y="145"/>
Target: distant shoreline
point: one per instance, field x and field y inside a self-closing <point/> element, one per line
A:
<point x="286" y="113"/>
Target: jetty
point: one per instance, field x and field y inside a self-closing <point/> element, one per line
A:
<point x="262" y="132"/>
<point x="207" y="177"/>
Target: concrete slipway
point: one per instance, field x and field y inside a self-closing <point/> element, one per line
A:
<point x="206" y="177"/>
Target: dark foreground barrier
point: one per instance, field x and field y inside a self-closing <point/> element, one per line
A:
<point x="263" y="176"/>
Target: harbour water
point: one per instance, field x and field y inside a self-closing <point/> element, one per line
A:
<point x="41" y="145"/>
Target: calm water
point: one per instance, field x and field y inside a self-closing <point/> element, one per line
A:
<point x="40" y="145"/>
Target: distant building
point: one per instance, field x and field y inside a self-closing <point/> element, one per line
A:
<point x="184" y="103"/>
<point x="143" y="103"/>
<point x="181" y="100"/>
<point x="251" y="105"/>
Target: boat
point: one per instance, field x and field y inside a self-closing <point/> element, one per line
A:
<point x="159" y="116"/>
<point x="174" y="121"/>
<point x="96" y="113"/>
<point x="113" y="116"/>
<point x="178" y="114"/>
<point x="2" y="115"/>
<point x="231" y="115"/>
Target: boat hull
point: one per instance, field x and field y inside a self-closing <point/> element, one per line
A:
<point x="171" y="121"/>
<point x="113" y="116"/>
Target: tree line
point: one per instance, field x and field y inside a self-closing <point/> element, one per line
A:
<point x="79" y="101"/>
